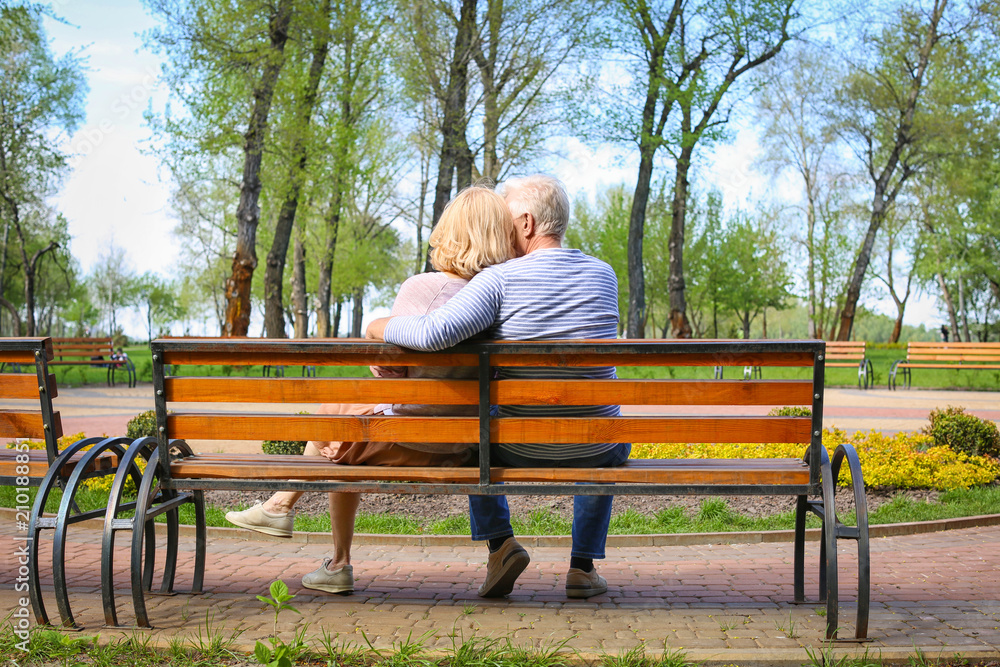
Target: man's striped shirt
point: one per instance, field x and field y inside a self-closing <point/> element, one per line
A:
<point x="551" y="294"/>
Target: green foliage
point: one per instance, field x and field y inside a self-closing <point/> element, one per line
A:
<point x="790" y="411"/>
<point x="143" y="425"/>
<point x="968" y="434"/>
<point x="287" y="447"/>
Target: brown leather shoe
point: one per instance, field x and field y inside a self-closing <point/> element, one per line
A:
<point x="503" y="568"/>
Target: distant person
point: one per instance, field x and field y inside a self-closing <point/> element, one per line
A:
<point x="944" y="333"/>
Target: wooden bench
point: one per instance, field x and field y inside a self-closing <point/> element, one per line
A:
<point x="839" y="354"/>
<point x="95" y="352"/>
<point x="31" y="416"/>
<point x="959" y="356"/>
<point x="190" y="414"/>
<point x="851" y="354"/>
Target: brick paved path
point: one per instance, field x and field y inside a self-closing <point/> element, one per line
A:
<point x="719" y="603"/>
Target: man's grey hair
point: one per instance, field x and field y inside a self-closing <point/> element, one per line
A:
<point x="544" y="197"/>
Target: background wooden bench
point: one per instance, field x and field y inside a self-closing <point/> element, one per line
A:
<point x="82" y="352"/>
<point x="851" y="354"/>
<point x="30" y="415"/>
<point x="959" y="356"/>
<point x="195" y="413"/>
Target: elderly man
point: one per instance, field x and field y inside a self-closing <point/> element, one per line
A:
<point x="547" y="293"/>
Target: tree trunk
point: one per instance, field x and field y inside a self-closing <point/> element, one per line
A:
<point x="814" y="331"/>
<point x="300" y="301"/>
<point x="949" y="304"/>
<point x="323" y="296"/>
<point x="963" y="311"/>
<point x="679" y="325"/>
<point x="248" y="211"/>
<point x="14" y="315"/>
<point x="455" y="154"/>
<point x="357" y="312"/>
<point x="274" y="272"/>
<point x="336" y="317"/>
<point x="635" y="326"/>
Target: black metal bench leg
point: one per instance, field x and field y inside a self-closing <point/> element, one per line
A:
<point x="170" y="560"/>
<point x="801" y="509"/>
<point x="62" y="523"/>
<point x="847" y="452"/>
<point x="35" y="527"/>
<point x="201" y="541"/>
<point x="829" y="559"/>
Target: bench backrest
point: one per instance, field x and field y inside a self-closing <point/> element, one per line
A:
<point x="81" y="348"/>
<point x="953" y="352"/>
<point x="26" y="408"/>
<point x="851" y="350"/>
<point x="194" y="408"/>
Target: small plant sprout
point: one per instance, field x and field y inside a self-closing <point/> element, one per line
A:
<point x="787" y="628"/>
<point x="279" y="600"/>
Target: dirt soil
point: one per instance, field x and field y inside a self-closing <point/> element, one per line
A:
<point x="435" y="507"/>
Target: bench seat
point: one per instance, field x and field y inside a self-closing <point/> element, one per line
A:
<point x="635" y="471"/>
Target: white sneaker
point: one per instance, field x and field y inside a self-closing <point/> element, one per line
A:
<point x="255" y="518"/>
<point x="338" y="581"/>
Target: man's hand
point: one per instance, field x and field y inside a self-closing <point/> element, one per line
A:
<point x="376" y="329"/>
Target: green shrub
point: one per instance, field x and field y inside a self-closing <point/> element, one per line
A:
<point x="965" y="433"/>
<point x="143" y="425"/>
<point x="790" y="411"/>
<point x="288" y="447"/>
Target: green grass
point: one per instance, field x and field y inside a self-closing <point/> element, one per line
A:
<point x="713" y="516"/>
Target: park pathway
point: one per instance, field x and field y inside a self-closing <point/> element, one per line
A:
<point x="722" y="604"/>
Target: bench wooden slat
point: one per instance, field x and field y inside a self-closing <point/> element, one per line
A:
<point x="322" y="390"/>
<point x="38" y="463"/>
<point x="569" y="430"/>
<point x="651" y="392"/>
<point x="23" y="385"/>
<point x="17" y="357"/>
<point x="953" y="346"/>
<point x="21" y="424"/>
<point x="639" y="471"/>
<point x="246" y="426"/>
<point x="504" y="392"/>
<point x="88" y="362"/>
<point x="565" y="430"/>
<point x="655" y="359"/>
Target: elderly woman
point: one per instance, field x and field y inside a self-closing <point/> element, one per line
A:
<point x="475" y="231"/>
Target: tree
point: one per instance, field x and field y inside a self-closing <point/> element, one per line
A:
<point x="797" y="132"/>
<point x="112" y="284"/>
<point x="489" y="65"/>
<point x="40" y="106"/>
<point x="906" y="96"/>
<point x="757" y="277"/>
<point x="223" y="63"/>
<point x="686" y="58"/>
<point x="298" y="129"/>
<point x="154" y="297"/>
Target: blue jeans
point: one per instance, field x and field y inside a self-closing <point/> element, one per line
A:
<point x="490" y="515"/>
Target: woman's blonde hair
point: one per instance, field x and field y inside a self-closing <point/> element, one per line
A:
<point x="475" y="231"/>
